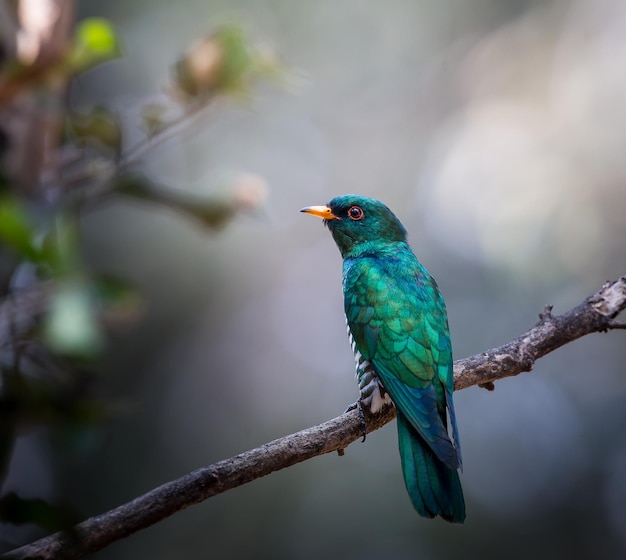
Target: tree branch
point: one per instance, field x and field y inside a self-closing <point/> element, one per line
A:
<point x="34" y="128"/>
<point x="595" y="314"/>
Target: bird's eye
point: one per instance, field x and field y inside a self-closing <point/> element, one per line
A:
<point x="355" y="213"/>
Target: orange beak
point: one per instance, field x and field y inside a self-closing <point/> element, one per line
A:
<point x="323" y="212"/>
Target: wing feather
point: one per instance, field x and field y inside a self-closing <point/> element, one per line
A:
<point x="398" y="320"/>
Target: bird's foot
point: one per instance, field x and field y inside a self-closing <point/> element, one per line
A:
<point x="353" y="406"/>
<point x="358" y="406"/>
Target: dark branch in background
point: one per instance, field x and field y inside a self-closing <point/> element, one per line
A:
<point x="596" y="314"/>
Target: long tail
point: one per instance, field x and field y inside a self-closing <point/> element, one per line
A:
<point x="434" y="488"/>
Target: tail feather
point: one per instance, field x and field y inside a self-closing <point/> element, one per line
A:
<point x="434" y="488"/>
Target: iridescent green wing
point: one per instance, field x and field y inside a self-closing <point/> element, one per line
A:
<point x="398" y="320"/>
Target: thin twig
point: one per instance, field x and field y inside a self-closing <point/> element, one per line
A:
<point x="595" y="314"/>
<point x="169" y="130"/>
<point x="107" y="179"/>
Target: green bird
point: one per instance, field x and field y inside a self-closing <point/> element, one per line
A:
<point x="398" y="329"/>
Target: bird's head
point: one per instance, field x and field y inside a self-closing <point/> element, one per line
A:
<point x="359" y="224"/>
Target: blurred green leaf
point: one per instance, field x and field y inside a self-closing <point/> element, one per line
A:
<point x="98" y="36"/>
<point x="16" y="228"/>
<point x="100" y="128"/>
<point x="71" y="325"/>
<point x="95" y="41"/>
<point x="60" y="247"/>
<point x="238" y="57"/>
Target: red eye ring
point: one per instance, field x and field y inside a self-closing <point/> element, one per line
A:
<point x="355" y="213"/>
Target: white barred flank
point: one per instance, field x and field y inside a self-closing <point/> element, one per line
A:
<point x="373" y="394"/>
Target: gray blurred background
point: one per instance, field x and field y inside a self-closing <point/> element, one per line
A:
<point x="496" y="131"/>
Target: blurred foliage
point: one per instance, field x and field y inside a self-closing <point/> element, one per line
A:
<point x="17" y="510"/>
<point x="99" y="128"/>
<point x="95" y="41"/>
<point x="48" y="351"/>
<point x="17" y="231"/>
<point x="224" y="62"/>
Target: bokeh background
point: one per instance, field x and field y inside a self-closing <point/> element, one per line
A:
<point x="496" y="131"/>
